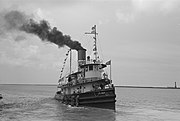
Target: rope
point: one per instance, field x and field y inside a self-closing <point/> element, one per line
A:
<point x="64" y="63"/>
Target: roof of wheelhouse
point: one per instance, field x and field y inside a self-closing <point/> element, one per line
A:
<point x="103" y="65"/>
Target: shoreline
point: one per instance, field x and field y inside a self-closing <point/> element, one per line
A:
<point x="32" y="84"/>
<point x="147" y="87"/>
<point x="115" y="86"/>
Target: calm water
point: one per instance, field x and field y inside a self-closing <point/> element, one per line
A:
<point x="36" y="103"/>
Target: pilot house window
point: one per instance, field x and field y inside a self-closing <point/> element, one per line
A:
<point x="90" y="67"/>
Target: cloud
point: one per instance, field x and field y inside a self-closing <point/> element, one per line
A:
<point x="29" y="57"/>
<point x="125" y="16"/>
<point x="131" y="11"/>
<point x="163" y="6"/>
<point x="20" y="38"/>
<point x="26" y="52"/>
<point x="29" y="53"/>
<point x="40" y="14"/>
<point x="17" y="53"/>
<point x="104" y="21"/>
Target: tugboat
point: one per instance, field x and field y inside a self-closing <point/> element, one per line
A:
<point x="89" y="86"/>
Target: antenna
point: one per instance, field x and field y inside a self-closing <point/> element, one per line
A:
<point x="93" y="32"/>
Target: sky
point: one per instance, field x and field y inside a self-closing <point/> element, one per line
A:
<point x="140" y="37"/>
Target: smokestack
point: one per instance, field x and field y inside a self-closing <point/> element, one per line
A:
<point x="82" y="54"/>
<point x="81" y="57"/>
<point x="16" y="20"/>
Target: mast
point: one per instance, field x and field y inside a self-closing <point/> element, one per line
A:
<point x="93" y="32"/>
<point x="70" y="60"/>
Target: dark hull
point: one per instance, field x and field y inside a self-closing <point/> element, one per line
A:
<point x="104" y="98"/>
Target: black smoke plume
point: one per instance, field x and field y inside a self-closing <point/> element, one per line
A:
<point x="19" y="21"/>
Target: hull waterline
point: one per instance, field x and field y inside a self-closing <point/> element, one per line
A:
<point x="104" y="99"/>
